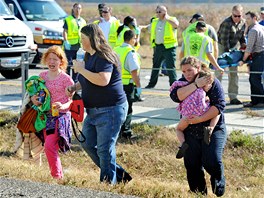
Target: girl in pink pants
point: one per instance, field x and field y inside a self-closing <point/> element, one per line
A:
<point x="57" y="134"/>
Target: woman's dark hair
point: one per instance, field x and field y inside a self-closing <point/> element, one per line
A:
<point x="99" y="43"/>
<point x="127" y="21"/>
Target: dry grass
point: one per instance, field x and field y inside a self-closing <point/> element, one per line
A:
<point x="151" y="161"/>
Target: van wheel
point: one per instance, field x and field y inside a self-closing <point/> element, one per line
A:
<point x="11" y="74"/>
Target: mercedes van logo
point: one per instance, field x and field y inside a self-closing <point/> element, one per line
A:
<point x="9" y="41"/>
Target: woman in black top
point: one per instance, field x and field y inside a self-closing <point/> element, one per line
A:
<point x="199" y="155"/>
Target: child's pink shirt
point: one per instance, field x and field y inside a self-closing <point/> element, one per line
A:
<point x="194" y="104"/>
<point x="57" y="87"/>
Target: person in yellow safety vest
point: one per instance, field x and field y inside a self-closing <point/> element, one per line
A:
<point x="163" y="39"/>
<point x="129" y="23"/>
<point x="200" y="46"/>
<point x="71" y="34"/>
<point x="130" y="63"/>
<point x="210" y="31"/>
<point x="108" y="24"/>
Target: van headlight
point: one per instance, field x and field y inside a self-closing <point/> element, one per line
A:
<point x="52" y="37"/>
<point x="52" y="33"/>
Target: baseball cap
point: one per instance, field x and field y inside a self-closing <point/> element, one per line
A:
<point x="196" y="16"/>
<point x="200" y="25"/>
<point x="262" y="10"/>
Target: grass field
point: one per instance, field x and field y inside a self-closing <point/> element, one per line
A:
<point x="150" y="160"/>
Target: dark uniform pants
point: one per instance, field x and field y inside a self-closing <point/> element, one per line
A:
<point x="160" y="54"/>
<point x="256" y="84"/>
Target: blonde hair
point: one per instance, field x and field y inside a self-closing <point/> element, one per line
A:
<point x="58" y="51"/>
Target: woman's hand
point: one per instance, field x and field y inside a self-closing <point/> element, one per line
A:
<point x="69" y="91"/>
<point x="221" y="70"/>
<point x="201" y="82"/>
<point x="35" y="101"/>
<point x="193" y="119"/>
<point x="77" y="66"/>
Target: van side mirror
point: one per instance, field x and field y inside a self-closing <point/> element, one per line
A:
<point x="11" y="7"/>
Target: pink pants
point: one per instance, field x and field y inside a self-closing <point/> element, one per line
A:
<point x="51" y="148"/>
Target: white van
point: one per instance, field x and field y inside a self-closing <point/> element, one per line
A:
<point x="45" y="18"/>
<point x="15" y="38"/>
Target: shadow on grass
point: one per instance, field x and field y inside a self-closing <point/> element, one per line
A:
<point x="6" y="153"/>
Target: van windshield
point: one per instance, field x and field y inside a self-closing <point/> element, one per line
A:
<point x="42" y="10"/>
<point x="4" y="10"/>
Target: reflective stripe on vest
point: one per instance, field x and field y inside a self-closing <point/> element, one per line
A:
<point x="73" y="33"/>
<point x="122" y="52"/>
<point x="195" y="45"/>
<point x="170" y="34"/>
<point x="112" y="36"/>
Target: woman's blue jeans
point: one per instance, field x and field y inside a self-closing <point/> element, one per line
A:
<point x="200" y="156"/>
<point x="101" y="128"/>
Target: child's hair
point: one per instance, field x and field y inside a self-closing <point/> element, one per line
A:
<point x="58" y="51"/>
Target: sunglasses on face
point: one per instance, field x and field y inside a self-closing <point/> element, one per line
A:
<point x="105" y="12"/>
<point x="158" y="12"/>
<point x="236" y="16"/>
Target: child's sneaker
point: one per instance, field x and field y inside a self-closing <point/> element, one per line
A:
<point x="207" y="135"/>
<point x="182" y="150"/>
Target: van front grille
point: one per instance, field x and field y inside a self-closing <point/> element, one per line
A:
<point x="12" y="41"/>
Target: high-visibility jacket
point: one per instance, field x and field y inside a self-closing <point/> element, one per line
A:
<point x="120" y="38"/>
<point x="170" y="34"/>
<point x="112" y="36"/>
<point x="122" y="52"/>
<point x="192" y="29"/>
<point x="195" y="45"/>
<point x="73" y="33"/>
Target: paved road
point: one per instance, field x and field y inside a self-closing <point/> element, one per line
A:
<point x="15" y="188"/>
<point x="158" y="108"/>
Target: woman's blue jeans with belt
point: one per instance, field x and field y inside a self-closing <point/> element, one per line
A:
<point x="101" y="128"/>
<point x="200" y="156"/>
